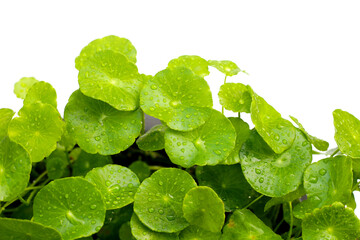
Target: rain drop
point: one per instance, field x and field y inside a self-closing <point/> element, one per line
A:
<point x="313" y="179"/>
<point x="170" y="217"/>
<point x="151" y="210"/>
<point x="93" y="207"/>
<point x="322" y="171"/>
<point x="261" y="180"/>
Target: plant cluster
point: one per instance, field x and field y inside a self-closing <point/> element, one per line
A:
<point x="96" y="173"/>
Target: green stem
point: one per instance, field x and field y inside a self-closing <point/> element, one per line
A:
<point x="155" y="167"/>
<point x="143" y="124"/>
<point x="254" y="201"/>
<point x="222" y="108"/>
<point x="33" y="188"/>
<point x="279" y="224"/>
<point x="23" y="200"/>
<point x="291" y="220"/>
<point x="239" y="115"/>
<point x="334" y="153"/>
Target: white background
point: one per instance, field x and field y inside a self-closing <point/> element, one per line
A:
<point x="303" y="57"/>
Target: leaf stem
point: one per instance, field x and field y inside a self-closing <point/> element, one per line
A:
<point x="239" y="115"/>
<point x="23" y="200"/>
<point x="334" y="153"/>
<point x="279" y="224"/>
<point x="155" y="167"/>
<point x="291" y="220"/>
<point x="222" y="108"/>
<point x="143" y="123"/>
<point x="254" y="201"/>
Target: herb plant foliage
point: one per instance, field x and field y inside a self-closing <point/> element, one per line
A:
<point x="96" y="173"/>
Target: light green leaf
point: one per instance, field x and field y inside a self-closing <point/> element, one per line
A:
<point x="271" y="174"/>
<point x="5" y="117"/>
<point x="15" y="167"/>
<point x="197" y="233"/>
<point x="113" y="43"/>
<point x="235" y="97"/>
<point x="277" y="132"/>
<point x="243" y="225"/>
<point x="66" y="143"/>
<point x="331" y="222"/>
<point x="152" y="140"/>
<point x="56" y="164"/>
<point x="208" y="144"/>
<point x="99" y="128"/>
<point x="202" y="207"/>
<point x="23" y="85"/>
<point x="16" y="229"/>
<point x="109" y="76"/>
<point x="41" y="92"/>
<point x="141" y="169"/>
<point x="227" y="67"/>
<point x="347" y="133"/>
<point x="229" y="183"/>
<point x="297" y="194"/>
<point x="326" y="181"/>
<point x="197" y="64"/>
<point x="141" y="232"/>
<point x="37" y="129"/>
<point x="178" y="97"/>
<point x="242" y="133"/>
<point x="319" y="144"/>
<point x="158" y="201"/>
<point x="73" y="206"/>
<point x="86" y="162"/>
<point x="117" y="184"/>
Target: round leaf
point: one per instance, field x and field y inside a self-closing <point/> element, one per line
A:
<point x="113" y="43"/>
<point x="5" y="117"/>
<point x="15" y="167"/>
<point x="227" y="67"/>
<point x="197" y="233"/>
<point x="272" y="174"/>
<point x="73" y="206"/>
<point x="178" y="97"/>
<point x="197" y="64"/>
<point x="347" y="133"/>
<point x="67" y="143"/>
<point x="23" y="85"/>
<point x="242" y="133"/>
<point x="56" y="164"/>
<point x="116" y="183"/>
<point x="37" y="129"/>
<point x="229" y="183"/>
<point x="158" y="201"/>
<point x="16" y="229"/>
<point x="326" y="181"/>
<point x="41" y="92"/>
<point x="141" y="169"/>
<point x="331" y="222"/>
<point x="99" y="128"/>
<point x="109" y="76"/>
<point x="86" y="162"/>
<point x="152" y="140"/>
<point x="203" y="208"/>
<point x="141" y="232"/>
<point x="208" y="144"/>
<point x="243" y="224"/>
<point x="235" y="97"/>
<point x="277" y="132"/>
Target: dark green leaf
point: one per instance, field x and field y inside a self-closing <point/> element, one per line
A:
<point x="152" y="140"/>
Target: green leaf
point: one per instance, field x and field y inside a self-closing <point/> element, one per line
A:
<point x="66" y="143"/>
<point x="73" y="206"/>
<point x="113" y="43"/>
<point x="347" y="133"/>
<point x="197" y="233"/>
<point x="229" y="183"/>
<point x="99" y="128"/>
<point x="125" y="232"/>
<point x="41" y="92"/>
<point x="116" y="183"/>
<point x="158" y="201"/>
<point x="152" y="140"/>
<point x="16" y="229"/>
<point x="141" y="232"/>
<point x="331" y="222"/>
<point x="141" y="169"/>
<point x="86" y="162"/>
<point x="23" y="85"/>
<point x="242" y="133"/>
<point x="319" y="144"/>
<point x="243" y="224"/>
<point x="197" y="64"/>
<point x="235" y="97"/>
<point x="208" y="144"/>
<point x="109" y="76"/>
<point x="326" y="181"/>
<point x="202" y="207"/>
<point x="178" y="97"/>
<point x="37" y="129"/>
<point x="227" y="67"/>
<point x="5" y="117"/>
<point x="290" y="197"/>
<point x="277" y="132"/>
<point x="271" y="174"/>
<point x="56" y="164"/>
<point x="15" y="167"/>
